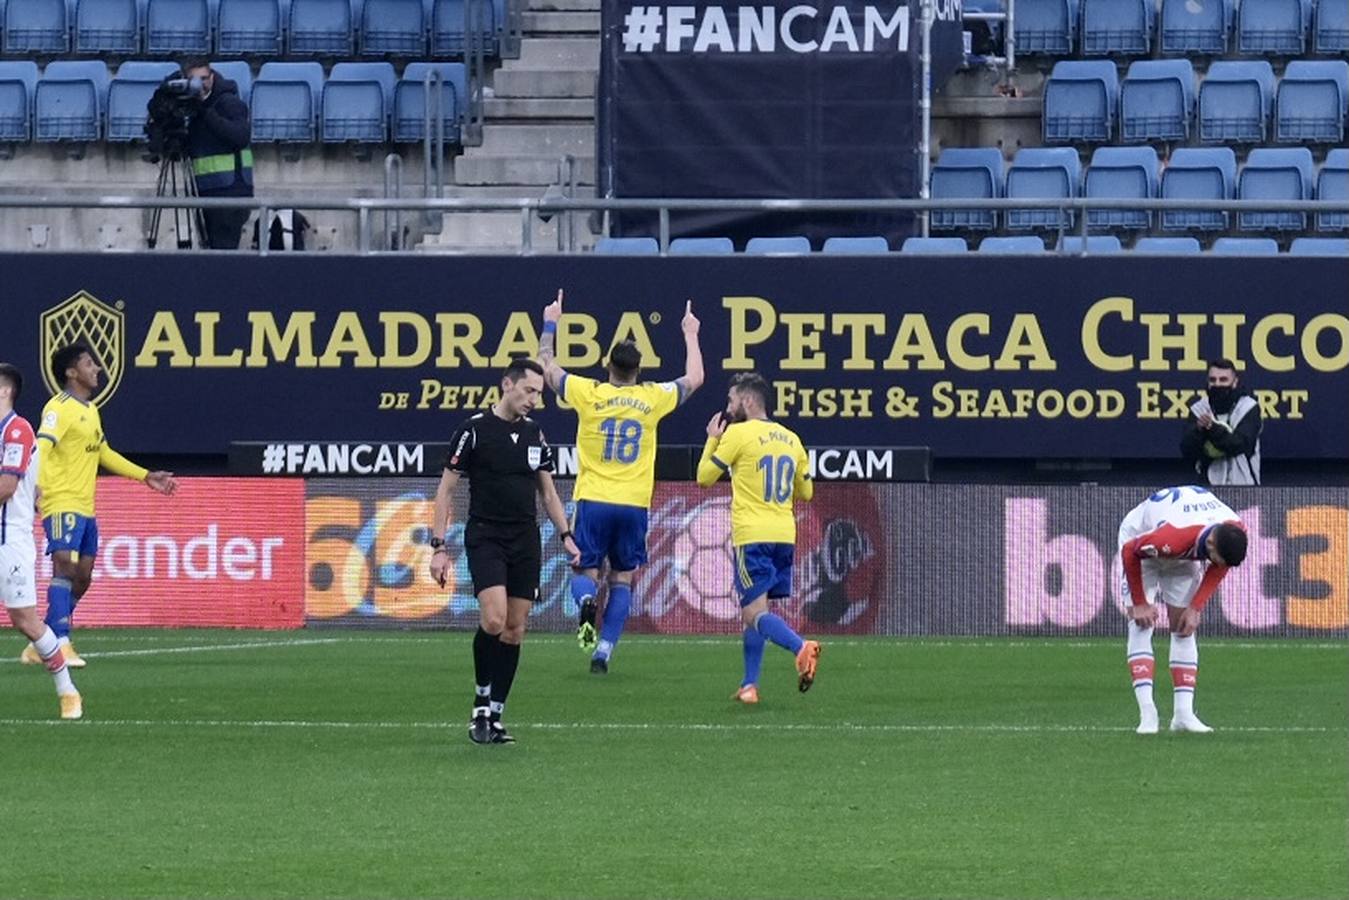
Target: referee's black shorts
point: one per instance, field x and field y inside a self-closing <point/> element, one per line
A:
<point x="504" y="553"/>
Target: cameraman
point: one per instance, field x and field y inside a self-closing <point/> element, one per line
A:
<point x="222" y="162"/>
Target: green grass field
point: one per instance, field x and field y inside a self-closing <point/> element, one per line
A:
<point x="333" y="764"/>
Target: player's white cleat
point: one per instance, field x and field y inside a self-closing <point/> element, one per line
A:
<point x="72" y="707"/>
<point x="30" y="656"/>
<point x="1147" y="721"/>
<point x="1189" y="723"/>
<point x="73" y="658"/>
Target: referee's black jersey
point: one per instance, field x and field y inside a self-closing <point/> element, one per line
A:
<point x="500" y="459"/>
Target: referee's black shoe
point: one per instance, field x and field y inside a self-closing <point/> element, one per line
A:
<point x="480" y="728"/>
<point x="599" y="666"/>
<point x="499" y="734"/>
<point x="586" y="635"/>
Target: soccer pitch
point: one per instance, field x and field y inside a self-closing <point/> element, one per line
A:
<point x="336" y="764"/>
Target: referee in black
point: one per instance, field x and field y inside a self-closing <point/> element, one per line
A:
<point x="504" y="455"/>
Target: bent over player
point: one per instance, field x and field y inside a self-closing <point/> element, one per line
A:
<point x="616" y="440"/>
<point x="1175" y="547"/>
<point x="76" y="448"/>
<point x="769" y="470"/>
<point x="18" y="555"/>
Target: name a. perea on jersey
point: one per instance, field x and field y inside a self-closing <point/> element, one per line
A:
<point x="630" y="402"/>
<point x="769" y="437"/>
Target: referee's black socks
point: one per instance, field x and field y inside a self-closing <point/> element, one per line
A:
<point x="508" y="660"/>
<point x="485" y="648"/>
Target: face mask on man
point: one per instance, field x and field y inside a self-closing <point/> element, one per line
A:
<point x="1221" y="398"/>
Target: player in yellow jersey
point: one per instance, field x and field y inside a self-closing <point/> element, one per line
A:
<point x="75" y="449"/>
<point x="616" y="441"/>
<point x="769" y="470"/>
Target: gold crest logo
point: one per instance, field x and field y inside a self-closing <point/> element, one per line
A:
<point x="84" y="317"/>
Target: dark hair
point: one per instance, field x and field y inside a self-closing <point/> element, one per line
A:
<point x="11" y="374"/>
<point x="625" y="359"/>
<point x="519" y="365"/>
<point x="1222" y="362"/>
<point x="1230" y="542"/>
<point x="195" y="62"/>
<point x="755" y="384"/>
<point x="66" y="357"/>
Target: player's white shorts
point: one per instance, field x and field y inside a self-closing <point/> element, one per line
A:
<point x="1169" y="581"/>
<point x="18" y="576"/>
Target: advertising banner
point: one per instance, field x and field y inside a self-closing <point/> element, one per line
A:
<point x="221" y="552"/>
<point x="996" y="357"/>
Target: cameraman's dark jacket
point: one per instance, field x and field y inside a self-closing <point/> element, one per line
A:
<point x="217" y="140"/>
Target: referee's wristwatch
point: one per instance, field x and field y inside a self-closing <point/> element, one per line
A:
<point x="437" y="544"/>
<point x="564" y="535"/>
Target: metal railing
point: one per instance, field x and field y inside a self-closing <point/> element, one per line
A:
<point x="363" y="208"/>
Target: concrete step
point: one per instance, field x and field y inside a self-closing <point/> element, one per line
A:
<point x="511" y="81"/>
<point x="492" y="229"/>
<point x="539" y="108"/>
<point x="564" y="6"/>
<point x="536" y="140"/>
<point x="558" y="53"/>
<point x="507" y="191"/>
<point x="559" y="23"/>
<point x="537" y="171"/>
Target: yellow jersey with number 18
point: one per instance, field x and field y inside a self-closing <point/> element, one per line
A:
<point x="616" y="437"/>
<point x="769" y="469"/>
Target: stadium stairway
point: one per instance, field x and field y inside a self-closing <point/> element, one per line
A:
<point x="541" y="108"/>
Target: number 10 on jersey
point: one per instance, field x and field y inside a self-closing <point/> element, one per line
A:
<point x="779" y="473"/>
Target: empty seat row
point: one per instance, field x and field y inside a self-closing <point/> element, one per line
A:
<point x="1135" y="173"/>
<point x="647" y="246"/>
<point x="339" y="28"/>
<point x="1214" y="27"/>
<point x="1157" y="101"/>
<point x="75" y="100"/>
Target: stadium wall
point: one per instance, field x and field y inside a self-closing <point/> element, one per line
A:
<point x="882" y="559"/>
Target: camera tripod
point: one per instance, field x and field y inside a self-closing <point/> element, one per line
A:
<point x="176" y="180"/>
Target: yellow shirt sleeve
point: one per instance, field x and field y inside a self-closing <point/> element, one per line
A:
<point x="663" y="397"/>
<point x="577" y="389"/>
<point x="54" y="424"/>
<point x="118" y="464"/>
<point x="804" y="488"/>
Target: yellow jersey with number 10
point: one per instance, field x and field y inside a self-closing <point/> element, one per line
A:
<point x="616" y="437"/>
<point x="769" y="469"/>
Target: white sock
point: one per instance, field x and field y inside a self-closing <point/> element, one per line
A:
<point x="1184" y="672"/>
<point x="1142" y="666"/>
<point x="49" y="648"/>
<point x="604" y="649"/>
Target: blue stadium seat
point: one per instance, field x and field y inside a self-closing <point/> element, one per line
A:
<point x="238" y="71"/>
<point x="778" y="246"/>
<point x="1080" y="99"/>
<point x="933" y="246"/>
<point x="357" y="102"/>
<point x="1238" y="246"/>
<point x="320" y="28"/>
<point x="963" y="173"/>
<point x="70" y="98"/>
<point x="1235" y="101"/>
<point x="1026" y="243"/>
<point x="1043" y="172"/>
<point x="1308" y="246"/>
<point x="1117" y="27"/>
<point x="107" y="26"/>
<point x="36" y="26"/>
<point x="1096" y="243"/>
<point x="1157" y="100"/>
<point x="1121" y="172"/>
<point x="1189" y="27"/>
<point x="286" y="102"/>
<point x="1273" y="27"/>
<point x="18" y="82"/>
<point x="1199" y="173"/>
<point x="1332" y="27"/>
<point x="856" y="246"/>
<point x="410" y="100"/>
<point x="627" y="246"/>
<point x="1313" y="99"/>
<point x="393" y="26"/>
<point x="128" y="93"/>
<point x="448" y="26"/>
<point x="1275" y="174"/>
<point x="177" y="26"/>
<point x="1333" y="184"/>
<point x="249" y="26"/>
<point x="1046" y="27"/>
<point x="701" y="246"/>
<point x="1167" y="246"/>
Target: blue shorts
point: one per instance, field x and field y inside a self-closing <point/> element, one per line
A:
<point x="763" y="569"/>
<point x="612" y="531"/>
<point x="73" y="532"/>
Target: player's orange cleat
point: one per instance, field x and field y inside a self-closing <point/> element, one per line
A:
<point x="806" y="661"/>
<point x="72" y="707"/>
<point x="749" y="694"/>
<point x="30" y="656"/>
